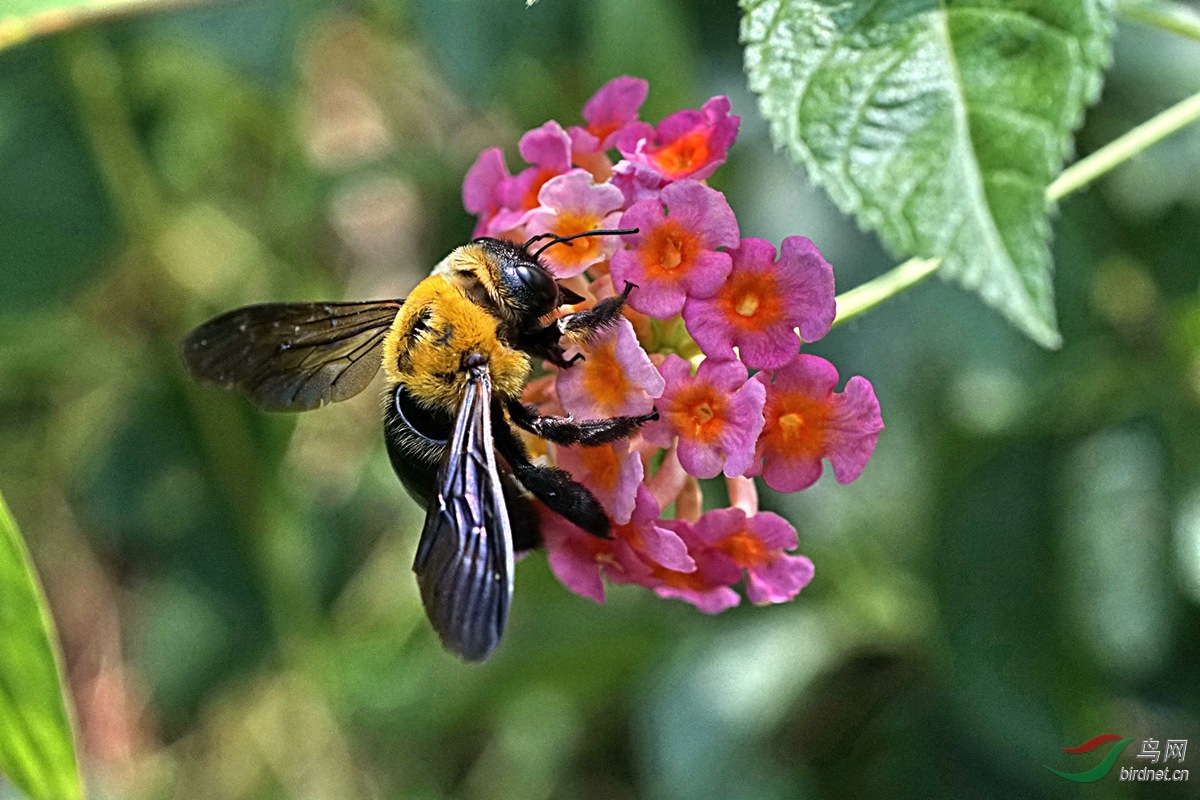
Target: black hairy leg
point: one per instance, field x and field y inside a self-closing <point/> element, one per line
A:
<point x="580" y="327"/>
<point x="554" y="487"/>
<point x="568" y="430"/>
<point x="522" y="519"/>
<point x="573" y="330"/>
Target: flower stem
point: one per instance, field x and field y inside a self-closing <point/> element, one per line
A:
<point x="863" y="298"/>
<point x="1123" y="148"/>
<point x="1170" y="16"/>
<point x="870" y="294"/>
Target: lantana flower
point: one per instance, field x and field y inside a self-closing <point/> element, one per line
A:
<point x="762" y="303"/>
<point x="578" y="559"/>
<point x="716" y="413"/>
<point x="711" y="338"/>
<point x="675" y="252"/>
<point x="806" y="421"/>
<point x="709" y="587"/>
<point x="573" y="203"/>
<point x="610" y="111"/>
<point x="687" y="144"/>
<point x="757" y="544"/>
<point x="615" y="378"/>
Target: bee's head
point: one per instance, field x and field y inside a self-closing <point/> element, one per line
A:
<point x="524" y="285"/>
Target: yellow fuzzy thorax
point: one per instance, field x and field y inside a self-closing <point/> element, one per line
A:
<point x="436" y="329"/>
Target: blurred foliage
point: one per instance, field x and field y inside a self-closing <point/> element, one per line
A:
<point x="1017" y="571"/>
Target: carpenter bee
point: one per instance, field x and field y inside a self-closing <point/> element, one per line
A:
<point x="457" y="353"/>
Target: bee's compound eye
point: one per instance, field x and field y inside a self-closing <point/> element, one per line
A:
<point x="539" y="289"/>
<point x="538" y="280"/>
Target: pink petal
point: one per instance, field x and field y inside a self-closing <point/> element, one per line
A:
<point x="572" y="557"/>
<point x="576" y="192"/>
<point x="811" y="293"/>
<point x="613" y="106"/>
<point x="589" y="390"/>
<point x="702" y="209"/>
<point x="637" y="182"/>
<point x="780" y="580"/>
<point x="548" y="146"/>
<point x="616" y="485"/>
<point x="700" y="459"/>
<point x="710" y="601"/>
<point x="482" y="181"/>
<point x="856" y="430"/>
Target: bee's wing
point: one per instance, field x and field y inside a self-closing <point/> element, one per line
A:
<point x="464" y="562"/>
<point x="292" y="356"/>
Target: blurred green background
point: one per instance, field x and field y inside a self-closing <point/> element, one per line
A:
<point x="1018" y="569"/>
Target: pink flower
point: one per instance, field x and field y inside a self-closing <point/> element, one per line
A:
<point x="572" y="203"/>
<point x="806" y="421"/>
<point x="757" y="543"/>
<point x="548" y="149"/>
<point x="578" y="558"/>
<point x="612" y="471"/>
<point x="708" y="586"/>
<point x="762" y="303"/>
<point x="615" y="377"/>
<point x="637" y="182"/>
<point x="674" y="254"/>
<point x="716" y="413"/>
<point x="481" y="188"/>
<point x="614" y="106"/>
<point x="687" y="144"/>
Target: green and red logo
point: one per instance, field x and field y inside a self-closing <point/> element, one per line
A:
<point x="1100" y="770"/>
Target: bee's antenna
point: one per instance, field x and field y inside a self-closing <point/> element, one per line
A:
<point x="538" y="238"/>
<point x="567" y="239"/>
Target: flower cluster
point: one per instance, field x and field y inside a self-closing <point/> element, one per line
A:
<point x="711" y="338"/>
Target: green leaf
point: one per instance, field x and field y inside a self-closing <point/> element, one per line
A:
<point x="22" y="20"/>
<point x="37" y="748"/>
<point x="937" y="123"/>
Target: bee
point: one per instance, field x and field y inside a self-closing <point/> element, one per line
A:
<point x="457" y="353"/>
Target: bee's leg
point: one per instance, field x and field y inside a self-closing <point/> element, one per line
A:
<point x="554" y="487"/>
<point x="522" y="520"/>
<point x="545" y="343"/>
<point x="568" y="430"/>
<point x="573" y="330"/>
<point x="580" y="327"/>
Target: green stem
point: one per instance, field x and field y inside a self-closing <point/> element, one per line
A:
<point x="870" y="294"/>
<point x="1171" y="17"/>
<point x="863" y="298"/>
<point x="1120" y="150"/>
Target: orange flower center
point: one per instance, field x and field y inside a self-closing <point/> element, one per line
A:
<point x="744" y="549"/>
<point x="684" y="154"/>
<point x="747" y="305"/>
<point x="698" y="413"/>
<point x="579" y="251"/>
<point x="604" y="378"/>
<point x="668" y="249"/>
<point x="750" y="301"/>
<point x="796" y="425"/>
<point x="600" y="464"/>
<point x="681" y="580"/>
